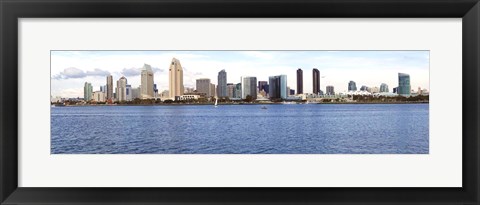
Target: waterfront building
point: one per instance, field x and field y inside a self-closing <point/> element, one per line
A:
<point x="403" y="84"/>
<point x="395" y="89"/>
<point x="249" y="87"/>
<point x="316" y="81"/>
<point x="263" y="85"/>
<point x="352" y="86"/>
<point x="212" y="90"/>
<point x="189" y="97"/>
<point x="98" y="96"/>
<point x="230" y="90"/>
<point x="364" y="88"/>
<point x="278" y="87"/>
<point x="87" y="91"/>
<point x="373" y="90"/>
<point x="121" y="89"/>
<point x="292" y="92"/>
<point x="330" y="90"/>
<point x="238" y="91"/>
<point x="203" y="86"/>
<point x="299" y="81"/>
<point x="155" y="91"/>
<point x="128" y="93"/>
<point x="146" y="82"/>
<point x="109" y="88"/>
<point x="222" y="84"/>
<point x="165" y="94"/>
<point x="384" y="88"/>
<point x="175" y="85"/>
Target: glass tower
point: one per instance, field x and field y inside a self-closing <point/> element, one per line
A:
<point x="403" y="84"/>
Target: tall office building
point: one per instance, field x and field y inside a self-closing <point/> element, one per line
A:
<point x="175" y="85"/>
<point x="238" y="90"/>
<point x="278" y="87"/>
<point x="109" y="87"/>
<point x="249" y="87"/>
<point x="146" y="82"/>
<point x="330" y="90"/>
<point x="352" y="86"/>
<point x="316" y="81"/>
<point x="87" y="91"/>
<point x="213" y="90"/>
<point x="128" y="93"/>
<point x="384" y="88"/>
<point x="222" y="84"/>
<point x="263" y="85"/>
<point x="121" y="89"/>
<point x="403" y="84"/>
<point x="230" y="90"/>
<point x="363" y="88"/>
<point x="203" y="86"/>
<point x="299" y="81"/>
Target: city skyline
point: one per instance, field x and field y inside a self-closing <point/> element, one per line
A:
<point x="70" y="69"/>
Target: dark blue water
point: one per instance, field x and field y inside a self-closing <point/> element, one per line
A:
<point x="243" y="129"/>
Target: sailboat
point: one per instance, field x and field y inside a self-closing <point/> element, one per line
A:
<point x="216" y="102"/>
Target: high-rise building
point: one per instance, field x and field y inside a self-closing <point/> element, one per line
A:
<point x="122" y="89"/>
<point x="175" y="85"/>
<point x="238" y="90"/>
<point x="403" y="84"/>
<point x="146" y="82"/>
<point x="222" y="84"/>
<point x="299" y="81"/>
<point x="384" y="88"/>
<point x="263" y="85"/>
<point x="230" y="90"/>
<point x="128" y="93"/>
<point x="249" y="87"/>
<point x="136" y="93"/>
<point x="98" y="96"/>
<point x="213" y="90"/>
<point x="203" y="86"/>
<point x="330" y="90"/>
<point x="292" y="92"/>
<point x="87" y="91"/>
<point x="278" y="87"/>
<point x="316" y="81"/>
<point x="363" y="88"/>
<point x="352" y="86"/>
<point x="109" y="87"/>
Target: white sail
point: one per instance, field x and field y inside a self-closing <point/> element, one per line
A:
<point x="216" y="102"/>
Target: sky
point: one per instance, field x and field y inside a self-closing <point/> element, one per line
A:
<point x="71" y="69"/>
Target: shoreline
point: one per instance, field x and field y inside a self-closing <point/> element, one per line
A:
<point x="233" y="104"/>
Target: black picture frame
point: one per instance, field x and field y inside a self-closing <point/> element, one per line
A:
<point x="11" y="10"/>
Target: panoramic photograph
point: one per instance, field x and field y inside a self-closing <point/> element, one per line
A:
<point x="239" y="102"/>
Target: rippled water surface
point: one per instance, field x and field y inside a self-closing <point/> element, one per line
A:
<point x="242" y="129"/>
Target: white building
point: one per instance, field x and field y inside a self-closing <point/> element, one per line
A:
<point x="98" y="96"/>
<point x="146" y="82"/>
<point x="175" y="84"/>
<point x="122" y="89"/>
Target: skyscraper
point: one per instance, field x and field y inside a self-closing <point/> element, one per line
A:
<point x="278" y="87"/>
<point x="175" y="85"/>
<point x="263" y="85"/>
<point x="238" y="90"/>
<point x="403" y="84"/>
<point x="109" y="87"/>
<point x="352" y="86"/>
<point x="249" y="87"/>
<point x="203" y="86"/>
<point x="87" y="91"/>
<point x="330" y="90"/>
<point x="299" y="81"/>
<point x="222" y="84"/>
<point x="121" y="89"/>
<point x="316" y="81"/>
<point x="384" y="88"/>
<point x="147" y="82"/>
<point x="230" y="90"/>
<point x="213" y="90"/>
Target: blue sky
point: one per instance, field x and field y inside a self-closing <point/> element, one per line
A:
<point x="71" y="69"/>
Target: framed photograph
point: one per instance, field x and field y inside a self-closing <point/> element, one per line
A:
<point x="227" y="102"/>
